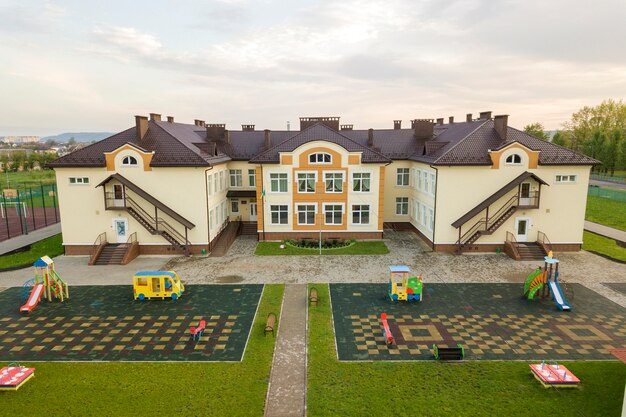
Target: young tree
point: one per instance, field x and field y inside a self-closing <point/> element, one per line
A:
<point x="559" y="138"/>
<point x="537" y="130"/>
<point x="605" y="117"/>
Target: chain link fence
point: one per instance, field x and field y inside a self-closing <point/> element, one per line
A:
<point x="607" y="193"/>
<point x="23" y="210"/>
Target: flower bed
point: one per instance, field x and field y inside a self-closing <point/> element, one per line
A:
<point x="315" y="244"/>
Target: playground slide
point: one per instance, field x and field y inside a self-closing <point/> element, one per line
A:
<point x="558" y="296"/>
<point x="35" y="295"/>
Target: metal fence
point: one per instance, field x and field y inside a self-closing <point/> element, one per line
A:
<point x="609" y="193"/>
<point x="27" y="209"/>
<point x="609" y="178"/>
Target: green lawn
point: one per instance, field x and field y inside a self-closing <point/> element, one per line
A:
<point x="603" y="245"/>
<point x="146" y="389"/>
<point x="440" y="389"/>
<point x="359" y="248"/>
<point x="27" y="179"/>
<point x="608" y="212"/>
<point x="52" y="246"/>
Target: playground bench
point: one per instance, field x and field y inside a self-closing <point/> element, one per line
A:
<point x="270" y="323"/>
<point x="449" y="353"/>
<point x="313" y="297"/>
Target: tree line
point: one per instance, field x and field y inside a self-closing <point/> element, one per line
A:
<point x="598" y="132"/>
<point x="16" y="161"/>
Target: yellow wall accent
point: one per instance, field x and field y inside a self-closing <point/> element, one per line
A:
<point x="381" y="199"/>
<point x="146" y="157"/>
<point x="335" y="162"/>
<point x="354" y="159"/>
<point x="286" y="159"/>
<point x="533" y="156"/>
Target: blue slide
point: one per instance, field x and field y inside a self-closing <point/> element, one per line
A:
<point x="561" y="303"/>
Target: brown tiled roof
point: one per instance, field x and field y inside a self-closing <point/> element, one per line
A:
<point x="464" y="143"/>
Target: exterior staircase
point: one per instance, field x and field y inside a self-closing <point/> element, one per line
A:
<point x="530" y="251"/>
<point x="111" y="254"/>
<point x="226" y="239"/>
<point x="249" y="229"/>
<point x="486" y="226"/>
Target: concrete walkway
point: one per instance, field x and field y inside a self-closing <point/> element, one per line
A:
<point x="286" y="395"/>
<point x="34" y="236"/>
<point x="606" y="231"/>
<point x="608" y="184"/>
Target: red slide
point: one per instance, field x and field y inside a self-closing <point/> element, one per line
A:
<point x="35" y="295"/>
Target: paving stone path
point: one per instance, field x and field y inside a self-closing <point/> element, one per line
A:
<point x="606" y="231"/>
<point x="287" y="391"/>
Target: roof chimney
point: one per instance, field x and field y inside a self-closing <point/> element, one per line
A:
<point x="440" y="121"/>
<point x="347" y="127"/>
<point x="247" y="128"/>
<point x="199" y="123"/>
<point x="370" y="138"/>
<point x="215" y="131"/>
<point x="170" y="119"/>
<point x="424" y="128"/>
<point x="155" y="117"/>
<point x="468" y="118"/>
<point x="141" y="124"/>
<point x="485" y="115"/>
<point x="397" y="124"/>
<point x="267" y="139"/>
<point x="451" y="119"/>
<point x="500" y="123"/>
<point x="226" y="136"/>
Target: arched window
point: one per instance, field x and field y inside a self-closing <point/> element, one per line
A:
<point x="129" y="160"/>
<point x="320" y="158"/>
<point x="513" y="159"/>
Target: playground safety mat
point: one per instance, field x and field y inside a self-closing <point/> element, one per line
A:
<point x="491" y="321"/>
<point x="616" y="286"/>
<point x="104" y="323"/>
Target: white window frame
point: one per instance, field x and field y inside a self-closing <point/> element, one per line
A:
<point x="252" y="177"/>
<point x="278" y="180"/>
<point x="423" y="219"/>
<point x="279" y="211"/>
<point x="237" y="175"/>
<point x="323" y="155"/>
<point x="402" y="175"/>
<point x="221" y="181"/>
<point x="127" y="161"/>
<point x="361" y="211"/>
<point x="212" y="217"/>
<point x="513" y="162"/>
<point x="565" y="178"/>
<point x="78" y="180"/>
<point x="433" y="184"/>
<point x="431" y="219"/>
<point x="232" y="202"/>
<point x="419" y="180"/>
<point x="324" y="211"/>
<point x="401" y="204"/>
<point x="210" y="182"/>
<point x="216" y="183"/>
<point x="298" y="211"/>
<point x="361" y="173"/>
<point x="306" y="173"/>
<point x="343" y="177"/>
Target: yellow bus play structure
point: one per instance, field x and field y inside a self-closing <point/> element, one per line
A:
<point x="408" y="288"/>
<point x="157" y="284"/>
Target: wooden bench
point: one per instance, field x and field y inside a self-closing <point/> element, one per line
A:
<point x="313" y="297"/>
<point x="449" y="353"/>
<point x="270" y="323"/>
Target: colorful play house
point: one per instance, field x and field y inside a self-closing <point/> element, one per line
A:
<point x="12" y="377"/>
<point x="402" y="287"/>
<point x="157" y="284"/>
<point x="544" y="282"/>
<point x="47" y="284"/>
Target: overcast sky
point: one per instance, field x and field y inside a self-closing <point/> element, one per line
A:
<point x="78" y="66"/>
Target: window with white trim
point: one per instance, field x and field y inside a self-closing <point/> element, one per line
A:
<point x="278" y="183"/>
<point x="361" y="182"/>
<point x="334" y="182"/>
<point x="423" y="221"/>
<point x="79" y="180"/>
<point x="252" y="177"/>
<point x="333" y="213"/>
<point x="236" y="178"/>
<point x="402" y="177"/>
<point x="402" y="206"/>
<point x="212" y="217"/>
<point x="320" y="158"/>
<point x="306" y="182"/>
<point x="432" y="184"/>
<point x="306" y="213"/>
<point x="426" y="183"/>
<point x="215" y="182"/>
<point x="221" y="180"/>
<point x="234" y="206"/>
<point x="279" y="214"/>
<point x="419" y="180"/>
<point x="431" y="219"/>
<point x="566" y="179"/>
<point x="129" y="161"/>
<point x="361" y="214"/>
<point x="513" y="159"/>
<point x="210" y="182"/>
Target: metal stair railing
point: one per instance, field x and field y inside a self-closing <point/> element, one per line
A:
<point x="96" y="247"/>
<point x="159" y="225"/>
<point x="486" y="223"/>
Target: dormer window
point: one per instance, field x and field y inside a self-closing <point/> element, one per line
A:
<point x="513" y="159"/>
<point x="320" y="158"/>
<point x="129" y="161"/>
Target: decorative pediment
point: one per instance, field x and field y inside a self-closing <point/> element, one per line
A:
<point x="133" y="151"/>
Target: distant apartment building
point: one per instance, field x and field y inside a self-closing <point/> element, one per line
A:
<point x="20" y="139"/>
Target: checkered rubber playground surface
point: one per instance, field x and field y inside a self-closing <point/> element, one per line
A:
<point x="616" y="286"/>
<point x="491" y="321"/>
<point x="104" y="323"/>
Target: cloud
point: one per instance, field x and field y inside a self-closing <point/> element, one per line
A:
<point x="30" y="16"/>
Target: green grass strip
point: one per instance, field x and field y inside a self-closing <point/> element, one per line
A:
<point x="603" y="245"/>
<point x="358" y="248"/>
<point x="446" y="389"/>
<point x="606" y="211"/>
<point x="148" y="389"/>
<point x="52" y="246"/>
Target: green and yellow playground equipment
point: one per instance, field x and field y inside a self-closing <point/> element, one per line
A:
<point x="544" y="282"/>
<point x="402" y="287"/>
